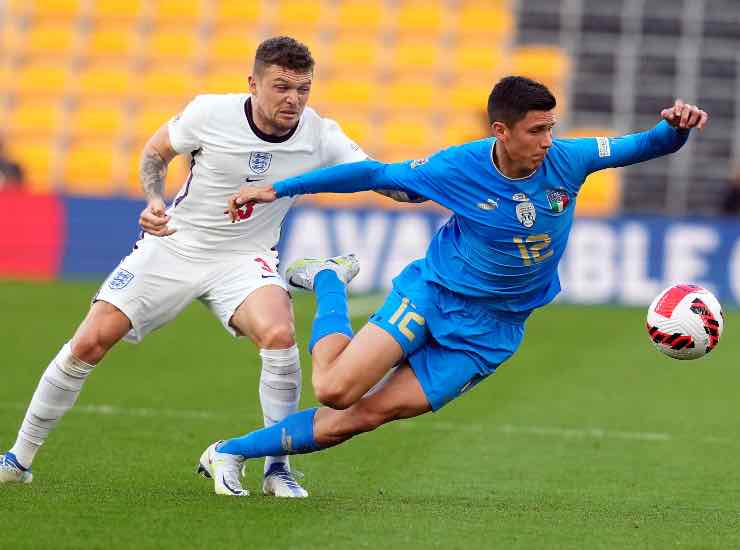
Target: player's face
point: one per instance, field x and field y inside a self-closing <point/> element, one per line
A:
<point x="528" y="140"/>
<point x="279" y="96"/>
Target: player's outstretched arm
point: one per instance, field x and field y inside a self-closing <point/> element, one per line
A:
<point x="155" y="157"/>
<point x="667" y="137"/>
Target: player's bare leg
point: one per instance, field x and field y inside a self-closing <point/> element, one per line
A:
<point x="60" y="385"/>
<point x="266" y="317"/>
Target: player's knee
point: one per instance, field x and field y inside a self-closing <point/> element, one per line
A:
<point x="332" y="394"/>
<point x="88" y="347"/>
<point x="277" y="336"/>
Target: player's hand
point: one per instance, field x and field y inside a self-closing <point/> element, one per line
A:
<point x="153" y="219"/>
<point x="248" y="195"/>
<point x="683" y="115"/>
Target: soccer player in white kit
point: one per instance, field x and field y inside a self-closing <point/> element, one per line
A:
<point x="191" y="250"/>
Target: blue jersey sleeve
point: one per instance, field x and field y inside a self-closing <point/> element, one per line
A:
<point x="602" y="152"/>
<point x="414" y="177"/>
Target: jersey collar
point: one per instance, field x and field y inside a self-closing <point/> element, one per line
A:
<point x="259" y="133"/>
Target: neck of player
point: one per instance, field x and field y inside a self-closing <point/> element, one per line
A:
<point x="507" y="166"/>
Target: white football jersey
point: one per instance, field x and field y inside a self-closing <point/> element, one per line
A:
<point x="228" y="152"/>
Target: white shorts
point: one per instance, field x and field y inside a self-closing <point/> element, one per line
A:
<point x="153" y="284"/>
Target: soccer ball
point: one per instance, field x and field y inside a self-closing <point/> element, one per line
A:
<point x="685" y="321"/>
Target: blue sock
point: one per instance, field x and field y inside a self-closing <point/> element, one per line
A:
<point x="291" y="436"/>
<point x="332" y="311"/>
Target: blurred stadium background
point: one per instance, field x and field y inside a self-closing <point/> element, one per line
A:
<point x="85" y="82"/>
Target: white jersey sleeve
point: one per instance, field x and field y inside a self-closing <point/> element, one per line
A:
<point x="186" y="128"/>
<point x="336" y="147"/>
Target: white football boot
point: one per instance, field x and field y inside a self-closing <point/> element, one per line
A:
<point x="225" y="471"/>
<point x="11" y="470"/>
<point x="280" y="482"/>
<point x="301" y="273"/>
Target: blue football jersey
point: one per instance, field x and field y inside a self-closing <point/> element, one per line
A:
<point x="505" y="237"/>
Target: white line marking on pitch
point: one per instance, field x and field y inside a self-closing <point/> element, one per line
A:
<point x="438" y="426"/>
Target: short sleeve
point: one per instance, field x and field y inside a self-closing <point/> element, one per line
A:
<point x="186" y="128"/>
<point x="337" y="148"/>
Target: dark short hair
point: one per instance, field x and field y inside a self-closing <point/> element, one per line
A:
<point x="285" y="52"/>
<point x="514" y="96"/>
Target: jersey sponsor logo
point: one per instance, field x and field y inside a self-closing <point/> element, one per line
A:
<point x="259" y="162"/>
<point x="526" y="213"/>
<point x="558" y="199"/>
<point x="519" y="197"/>
<point x="418" y="162"/>
<point x="490" y="204"/>
<point x="120" y="279"/>
<point x="605" y="149"/>
<point x="248" y="179"/>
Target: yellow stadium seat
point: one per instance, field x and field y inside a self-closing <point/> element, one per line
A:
<point x="301" y="14"/>
<point x="105" y="80"/>
<point x="483" y="58"/>
<point x="230" y="12"/>
<point x="401" y="131"/>
<point x="166" y="81"/>
<point x="362" y="15"/>
<point x="117" y="10"/>
<point x="421" y="17"/>
<point x="102" y="120"/>
<point x="548" y="64"/>
<point x="150" y="117"/>
<point x="420" y="93"/>
<point x="470" y="94"/>
<point x="415" y="56"/>
<point x="36" y="156"/>
<point x="40" y="79"/>
<point x="348" y="92"/>
<point x="168" y="11"/>
<point x="226" y="79"/>
<point x="88" y="167"/>
<point x="464" y="126"/>
<point x="235" y="45"/>
<point x="491" y="21"/>
<point x="172" y="43"/>
<point x="50" y="39"/>
<point x="355" y="52"/>
<point x="46" y="9"/>
<point x="112" y="41"/>
<point x="33" y="117"/>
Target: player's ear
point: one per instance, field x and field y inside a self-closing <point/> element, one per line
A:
<point x="252" y="81"/>
<point x="498" y="129"/>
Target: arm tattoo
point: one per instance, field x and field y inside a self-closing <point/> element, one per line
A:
<point x="152" y="171"/>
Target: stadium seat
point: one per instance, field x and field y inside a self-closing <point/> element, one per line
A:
<point x="421" y="17"/>
<point x="118" y="41"/>
<point x="220" y="79"/>
<point x="50" y="40"/>
<point x="299" y="15"/>
<point x="354" y="52"/>
<point x="470" y="95"/>
<point x="343" y="92"/>
<point x="151" y="116"/>
<point x="465" y="126"/>
<point x="241" y="12"/>
<point x="101" y="120"/>
<point x="484" y="58"/>
<point x="548" y="64"/>
<point x="34" y="118"/>
<point x="420" y="93"/>
<point x="88" y="167"/>
<point x="361" y="15"/>
<point x="412" y="55"/>
<point x="494" y="22"/>
<point x="173" y="43"/>
<point x="403" y="132"/>
<point x="36" y="156"/>
<point x="166" y="81"/>
<point x="234" y="44"/>
<point x="117" y="10"/>
<point x="46" y="9"/>
<point x="104" y="80"/>
<point x="39" y="79"/>
<point x="176" y="11"/>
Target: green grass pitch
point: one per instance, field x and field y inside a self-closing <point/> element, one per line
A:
<point x="588" y="438"/>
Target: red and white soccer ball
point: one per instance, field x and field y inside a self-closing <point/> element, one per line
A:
<point x="685" y="321"/>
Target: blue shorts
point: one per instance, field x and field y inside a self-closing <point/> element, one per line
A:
<point x="451" y="342"/>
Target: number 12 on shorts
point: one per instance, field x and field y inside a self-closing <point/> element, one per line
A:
<point x="403" y="325"/>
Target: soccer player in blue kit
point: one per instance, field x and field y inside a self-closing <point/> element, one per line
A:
<point x="458" y="313"/>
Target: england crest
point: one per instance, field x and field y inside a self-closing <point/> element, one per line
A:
<point x="558" y="200"/>
<point x="259" y="162"/>
<point x="526" y="213"/>
<point x="120" y="279"/>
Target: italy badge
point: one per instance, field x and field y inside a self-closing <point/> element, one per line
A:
<point x="558" y="200"/>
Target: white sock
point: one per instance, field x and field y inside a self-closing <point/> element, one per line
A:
<point x="280" y="389"/>
<point x="56" y="393"/>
